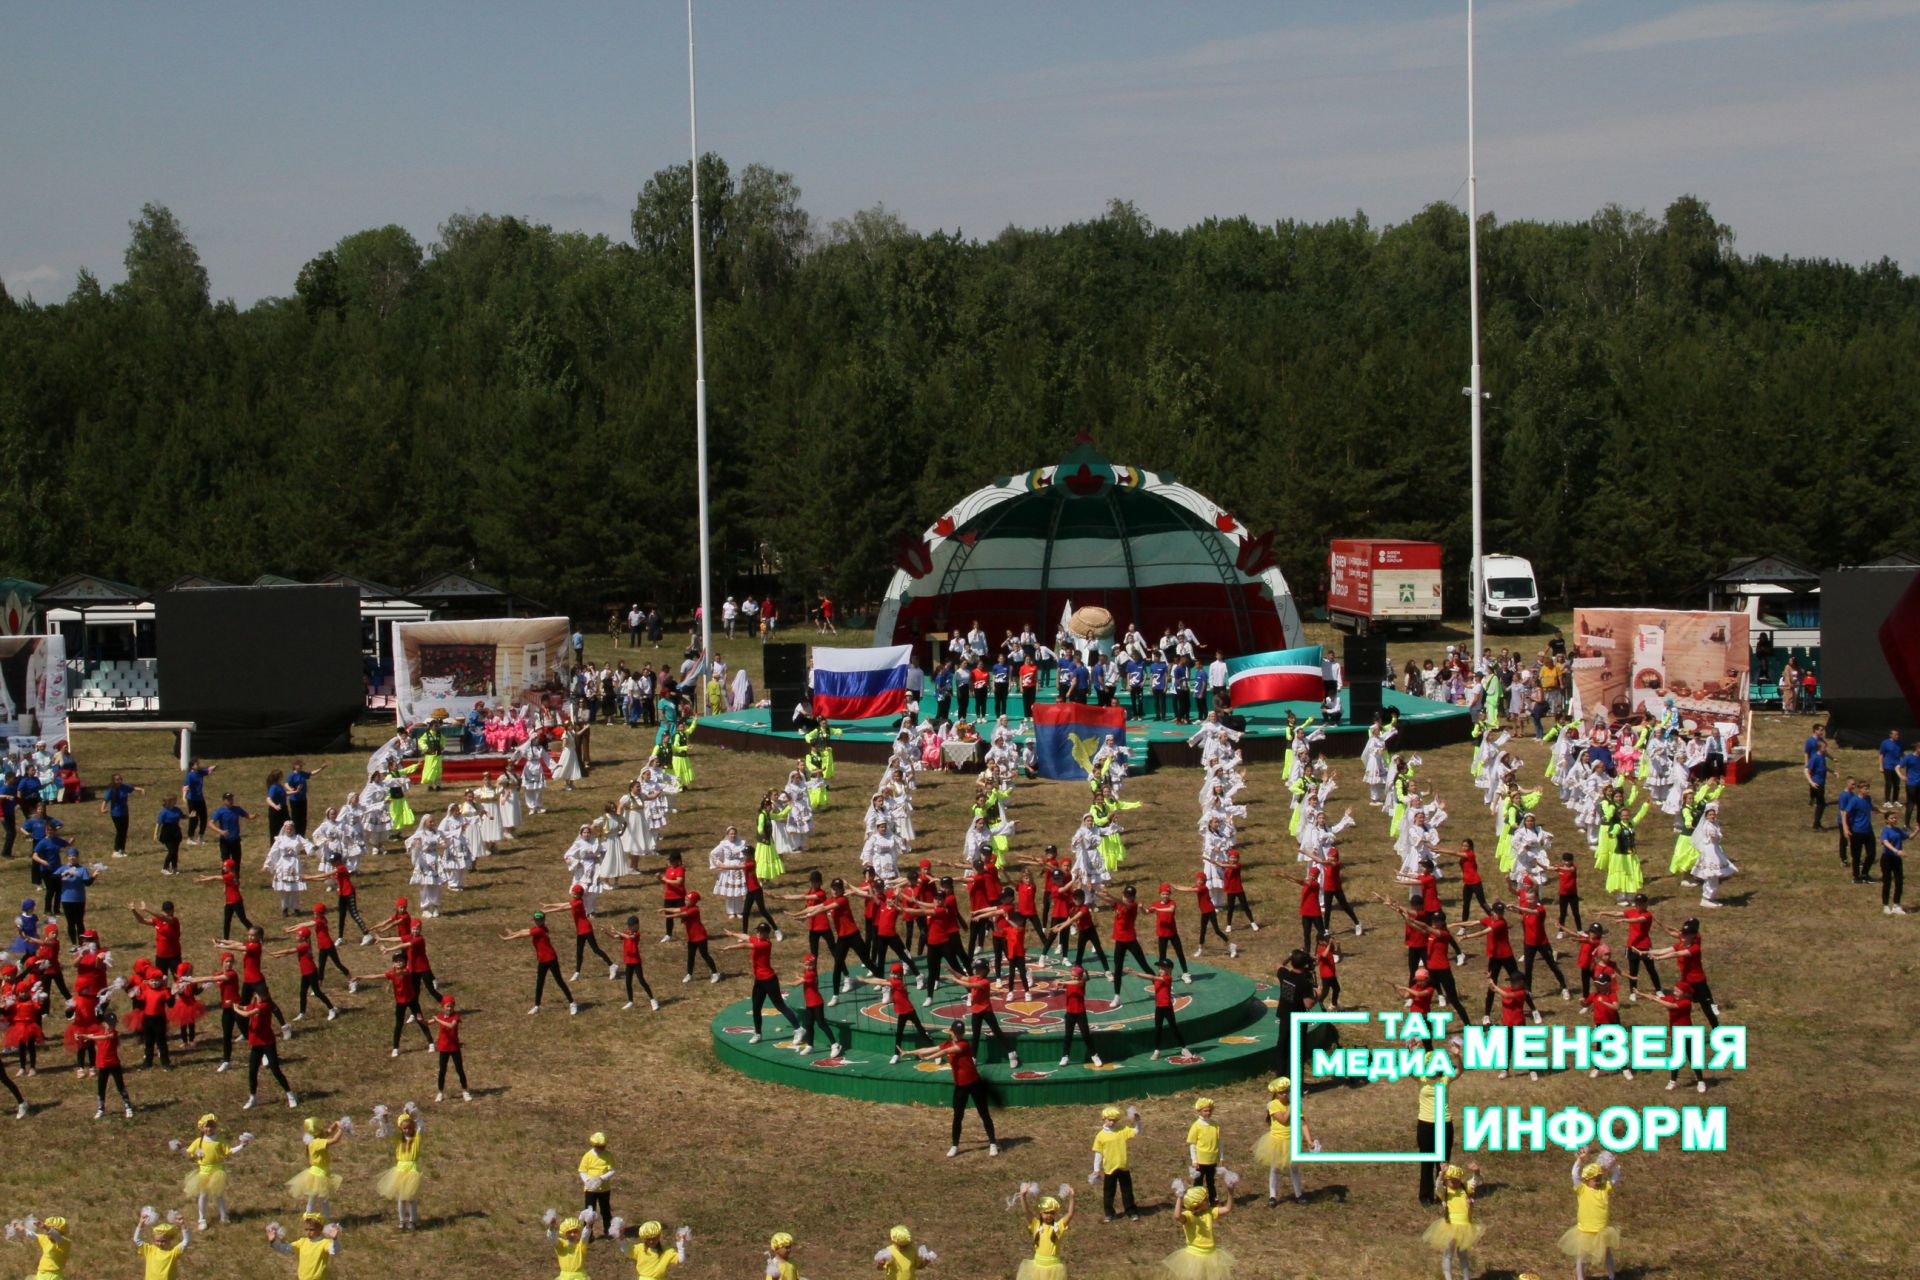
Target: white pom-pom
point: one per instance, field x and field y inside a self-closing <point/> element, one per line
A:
<point x="346" y="1125"/>
<point x="617" y="1228"/>
<point x="33" y="1224"/>
<point x="550" y="1217"/>
<point x="173" y="1145"/>
<point x="1316" y="1145"/>
<point x="1231" y="1178"/>
<point x="148" y="1216"/>
<point x="1066" y="1189"/>
<point x="411" y="1108"/>
<point x="306" y="1139"/>
<point x="274" y="1232"/>
<point x="175" y="1218"/>
<point x="1093" y="1176"/>
<point x="242" y="1140"/>
<point x="1133" y="1113"/>
<point x="587" y="1217"/>
<point x="684" y="1234"/>
<point x="927" y="1255"/>
<point x="13" y="1229"/>
<point x="773" y="1268"/>
<point x="883" y="1255"/>
<point x="331" y="1231"/>
<point x="380" y="1111"/>
<point x="1179" y="1187"/>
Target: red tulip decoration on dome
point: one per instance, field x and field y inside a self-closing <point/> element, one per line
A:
<point x="913" y="556"/>
<point x="1255" y="555"/>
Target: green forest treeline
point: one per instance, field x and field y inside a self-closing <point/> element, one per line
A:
<point x="517" y="402"/>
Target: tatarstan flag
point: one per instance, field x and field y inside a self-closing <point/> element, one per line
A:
<point x="1284" y="675"/>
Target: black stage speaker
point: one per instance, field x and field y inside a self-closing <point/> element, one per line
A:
<point x="261" y="670"/>
<point x="785" y="671"/>
<point x="1365" y="660"/>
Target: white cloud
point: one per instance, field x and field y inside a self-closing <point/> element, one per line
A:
<point x="1740" y="19"/>
<point x="33" y="280"/>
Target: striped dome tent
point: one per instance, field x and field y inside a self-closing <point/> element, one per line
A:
<point x="1142" y="546"/>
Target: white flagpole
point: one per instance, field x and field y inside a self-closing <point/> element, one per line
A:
<point x="700" y="381"/>
<point x="1476" y="587"/>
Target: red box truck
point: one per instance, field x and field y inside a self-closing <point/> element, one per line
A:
<point x="1376" y="584"/>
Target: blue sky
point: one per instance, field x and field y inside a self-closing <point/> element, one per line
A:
<point x="273" y="130"/>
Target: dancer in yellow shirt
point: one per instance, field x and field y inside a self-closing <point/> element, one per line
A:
<point x="1593" y="1239"/>
<point x="1047" y="1220"/>
<point x="1274" y="1147"/>
<point x="1203" y="1147"/>
<point x="1454" y="1236"/>
<point x="1110" y="1163"/>
<point x="1201" y="1257"/>
<point x="312" y="1250"/>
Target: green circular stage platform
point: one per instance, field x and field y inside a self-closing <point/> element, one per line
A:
<point x="1226" y="1019"/>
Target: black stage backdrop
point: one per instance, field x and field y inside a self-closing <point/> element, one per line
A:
<point x="261" y="670"/>
<point x="1858" y="691"/>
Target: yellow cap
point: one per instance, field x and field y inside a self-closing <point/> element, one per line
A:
<point x="54" y="1223"/>
<point x="597" y="1140"/>
<point x="569" y="1225"/>
<point x="650" y="1230"/>
<point x="208" y="1119"/>
<point x="1048" y="1205"/>
<point x="1109" y="1113"/>
<point x="164" y="1230"/>
<point x="1279" y="1085"/>
<point x="1592" y="1171"/>
<point x="1203" y="1104"/>
<point x="781" y="1240"/>
<point x="1195" y="1197"/>
<point x="311" y="1125"/>
<point x="313" y="1217"/>
<point x="900" y="1236"/>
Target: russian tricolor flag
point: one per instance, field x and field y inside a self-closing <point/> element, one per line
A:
<point x="1285" y="675"/>
<point x="860" y="684"/>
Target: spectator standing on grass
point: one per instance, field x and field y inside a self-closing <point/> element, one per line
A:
<point x="193" y="797"/>
<point x="1910" y="777"/>
<point x="74" y="878"/>
<point x="1891" y="752"/>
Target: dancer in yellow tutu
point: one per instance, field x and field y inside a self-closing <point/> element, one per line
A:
<point x="312" y="1250"/>
<point x="1454" y="1235"/>
<point x="208" y="1181"/>
<point x="317" y="1182"/>
<point x="1200" y="1258"/>
<point x="1593" y="1239"/>
<point x="780" y="1257"/>
<point x="159" y="1245"/>
<point x="49" y="1234"/>
<point x="569" y="1239"/>
<point x="651" y="1258"/>
<point x="902" y="1259"/>
<point x="401" y="1184"/>
<point x="1047" y="1218"/>
<point x="1274" y="1148"/>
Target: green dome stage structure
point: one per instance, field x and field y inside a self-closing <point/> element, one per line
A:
<point x="1225" y="1017"/>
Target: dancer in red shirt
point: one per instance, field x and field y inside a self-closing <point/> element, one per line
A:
<point x="1679" y="1008"/>
<point x="766" y="980"/>
<point x="406" y="1002"/>
<point x="262" y="1050"/>
<point x="901" y="1005"/>
<point x="546" y="959"/>
<point x="980" y="1012"/>
<point x="1686" y="953"/>
<point x="689" y="911"/>
<point x="324" y="950"/>
<point x="635" y="968"/>
<point x="302" y="951"/>
<point x="968" y="1087"/>
<point x="236" y="905"/>
<point x="583" y="935"/>
<point x="1162" y="980"/>
<point x="105" y="1041"/>
<point x="446" y="1027"/>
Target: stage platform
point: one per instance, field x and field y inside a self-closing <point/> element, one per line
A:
<point x="1225" y="1017"/>
<point x="1423" y="723"/>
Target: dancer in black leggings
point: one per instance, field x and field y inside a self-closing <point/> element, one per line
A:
<point x="349" y="899"/>
<point x="968" y="1087"/>
<point x="980" y="1012"/>
<point x="1126" y="932"/>
<point x="262" y="1050"/>
<point x="446" y="1027"/>
<point x="1333" y="892"/>
<point x="236" y="903"/>
<point x="885" y="923"/>
<point x="766" y="980"/>
<point x="547" y="960"/>
<point x="1496" y="930"/>
<point x="105" y="1044"/>
<point x="1085" y="933"/>
<point x="696" y="935"/>
<point x="406" y="1003"/>
<point x="943" y="934"/>
<point x="1075" y="989"/>
<point x="1162" y="980"/>
<point x="1533" y="933"/>
<point x="309" y="973"/>
<point x="584" y="939"/>
<point x="902" y="1006"/>
<point x="633" y="969"/>
<point x="1442" y="946"/>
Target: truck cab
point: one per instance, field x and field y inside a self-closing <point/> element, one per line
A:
<point x="1511" y="598"/>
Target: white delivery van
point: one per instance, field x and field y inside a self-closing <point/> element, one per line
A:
<point x="1511" y="599"/>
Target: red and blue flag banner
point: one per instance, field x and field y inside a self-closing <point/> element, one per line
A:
<point x="1284" y="675"/>
<point x="860" y="684"/>
<point x="1066" y="735"/>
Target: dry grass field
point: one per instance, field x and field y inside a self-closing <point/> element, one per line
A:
<point x="1818" y="1180"/>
